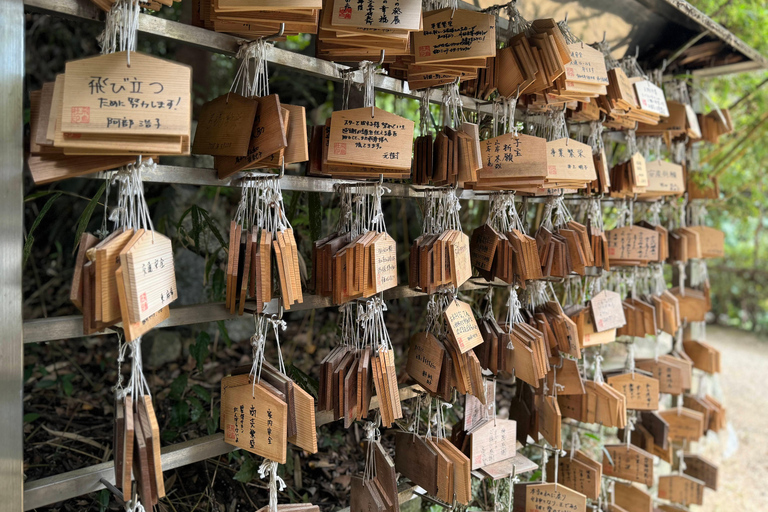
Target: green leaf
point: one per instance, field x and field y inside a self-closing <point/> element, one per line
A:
<point x="305" y="382"/>
<point x="224" y="333"/>
<point x="315" y="216"/>
<point x="200" y="349"/>
<point x="196" y="409"/>
<point x="212" y="425"/>
<point x="213" y="227"/>
<point x="592" y="436"/>
<point x="30" y="238"/>
<point x="169" y="435"/>
<point x="85" y="217"/>
<point x="249" y="470"/>
<point x="66" y="384"/>
<point x="104" y="497"/>
<point x="178" y="386"/>
<point x="202" y="393"/>
<point x="30" y="417"/>
<point x="46" y="383"/>
<point x="180" y="414"/>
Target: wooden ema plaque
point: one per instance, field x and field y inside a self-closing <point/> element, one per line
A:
<point x="633" y="243"/>
<point x="683" y="489"/>
<point x="224" y="126"/>
<point x="640" y="389"/>
<point x="670" y="376"/>
<point x="425" y="360"/>
<point x="664" y="179"/>
<point x="587" y="65"/>
<point x="701" y="469"/>
<point x="493" y="442"/>
<point x="684" y="424"/>
<point x="462" y="325"/>
<point x="552" y="498"/>
<point x="455" y="35"/>
<point x="385" y="263"/>
<point x="580" y="473"/>
<point x="508" y="156"/>
<point x="711" y="241"/>
<point x="253" y="418"/>
<point x="102" y="95"/>
<point x="382" y="140"/>
<point x="631" y="498"/>
<point x="570" y="160"/>
<point x="651" y="98"/>
<point x="403" y="15"/>
<point x="149" y="275"/>
<point x="416" y="460"/>
<point x="607" y="311"/>
<point x="629" y="463"/>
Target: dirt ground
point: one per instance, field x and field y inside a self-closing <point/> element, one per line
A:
<point x="741" y="450"/>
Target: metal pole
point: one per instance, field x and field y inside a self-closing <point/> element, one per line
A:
<point x="11" y="239"/>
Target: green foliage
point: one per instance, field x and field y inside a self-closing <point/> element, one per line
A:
<point x="30" y="237"/>
<point x="199" y="350"/>
<point x="85" y="217"/>
<point x="189" y="406"/>
<point x="197" y="237"/>
<point x="249" y="468"/>
<point x="305" y="382"/>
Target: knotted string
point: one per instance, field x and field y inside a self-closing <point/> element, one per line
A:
<point x="120" y="29"/>
<point x="269" y="468"/>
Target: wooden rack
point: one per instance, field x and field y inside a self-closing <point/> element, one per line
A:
<point x="64" y="486"/>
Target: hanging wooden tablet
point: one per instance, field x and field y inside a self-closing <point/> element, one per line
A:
<point x="142" y="465"/>
<point x="651" y="98"/>
<point x="149" y="275"/>
<point x="462" y="325"/>
<point x="455" y="35"/>
<point x="580" y="473"/>
<point x="107" y="262"/>
<point x="224" y="126"/>
<point x="109" y="103"/>
<point x="416" y="460"/>
<point x="268" y="136"/>
<point x="376" y="139"/>
<point x="682" y="489"/>
<point x="684" y="424"/>
<point x="493" y="442"/>
<point x="570" y="162"/>
<point x="629" y="463"/>
<point x="549" y="420"/>
<point x="425" y="360"/>
<point x="151" y="431"/>
<point x="631" y="498"/>
<point x="640" y="389"/>
<point x="87" y="241"/>
<point x="253" y="418"/>
<point x="701" y="469"/>
<point x="541" y="496"/>
<point x="133" y="330"/>
<point x="664" y="179"/>
<point x="632" y="245"/>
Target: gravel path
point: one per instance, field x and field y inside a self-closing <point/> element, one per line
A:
<point x="741" y="450"/>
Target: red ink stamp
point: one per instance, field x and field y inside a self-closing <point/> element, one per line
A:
<point x="144" y="304"/>
<point x="425" y="51"/>
<point x="340" y="148"/>
<point x="552" y="170"/>
<point x="345" y="13"/>
<point x="230" y="431"/>
<point x="81" y="115"/>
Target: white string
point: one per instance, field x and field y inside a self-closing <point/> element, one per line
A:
<point x="269" y="468"/>
<point x="120" y="29"/>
